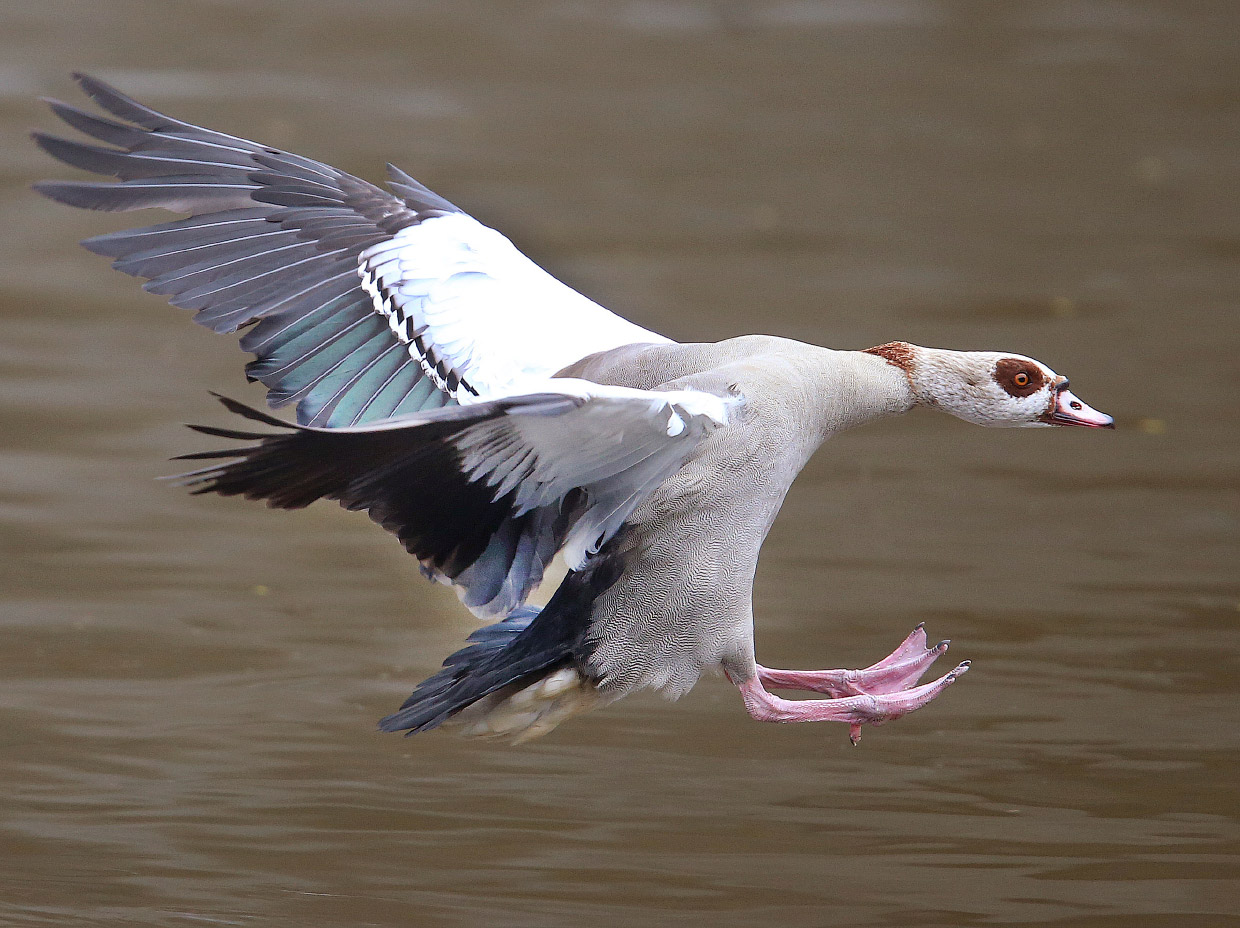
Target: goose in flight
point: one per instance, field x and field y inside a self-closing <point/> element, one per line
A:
<point x="492" y="417"/>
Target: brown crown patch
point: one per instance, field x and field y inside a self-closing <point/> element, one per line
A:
<point x="1018" y="377"/>
<point x="898" y="353"/>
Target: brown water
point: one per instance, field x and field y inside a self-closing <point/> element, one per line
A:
<point x="188" y="686"/>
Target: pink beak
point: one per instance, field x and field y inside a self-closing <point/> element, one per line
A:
<point x="1068" y="410"/>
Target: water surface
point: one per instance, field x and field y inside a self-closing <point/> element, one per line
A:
<point x="188" y="686"/>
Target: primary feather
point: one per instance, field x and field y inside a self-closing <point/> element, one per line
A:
<point x="363" y="303"/>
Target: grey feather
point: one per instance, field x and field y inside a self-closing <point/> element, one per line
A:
<point x="269" y="233"/>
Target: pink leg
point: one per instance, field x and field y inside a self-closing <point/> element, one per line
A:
<point x="855" y="710"/>
<point x="899" y="670"/>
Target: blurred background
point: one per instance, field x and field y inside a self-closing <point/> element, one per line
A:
<point x="189" y="686"/>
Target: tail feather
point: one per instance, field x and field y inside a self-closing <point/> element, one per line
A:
<point x="526" y="648"/>
<point x="468" y="675"/>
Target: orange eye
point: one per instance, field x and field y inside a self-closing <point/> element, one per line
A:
<point x="1021" y="379"/>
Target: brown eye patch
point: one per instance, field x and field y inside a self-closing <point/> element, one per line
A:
<point x="1019" y="378"/>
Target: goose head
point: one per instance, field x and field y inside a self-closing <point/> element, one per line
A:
<point x="991" y="388"/>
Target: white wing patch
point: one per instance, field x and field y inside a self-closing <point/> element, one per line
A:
<point x="480" y="317"/>
<point x="618" y="445"/>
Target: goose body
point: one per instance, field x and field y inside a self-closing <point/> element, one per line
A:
<point x="491" y="417"/>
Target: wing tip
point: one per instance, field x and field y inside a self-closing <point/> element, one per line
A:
<point x="69" y="192"/>
<point x="249" y="412"/>
<point x="92" y="85"/>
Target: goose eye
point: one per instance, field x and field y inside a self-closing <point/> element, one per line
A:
<point x="1018" y="377"/>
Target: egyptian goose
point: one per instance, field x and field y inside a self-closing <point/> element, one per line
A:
<point x="491" y="417"/>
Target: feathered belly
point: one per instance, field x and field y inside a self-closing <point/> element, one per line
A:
<point x="677" y="610"/>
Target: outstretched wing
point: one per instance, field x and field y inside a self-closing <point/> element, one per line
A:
<point x="483" y="495"/>
<point x="364" y="304"/>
